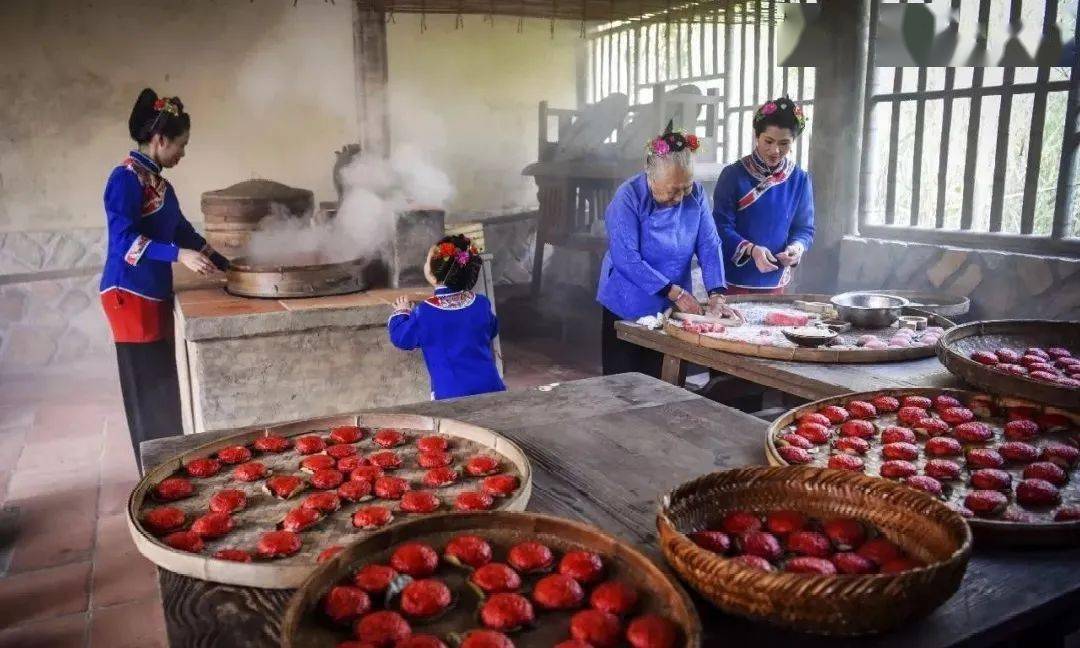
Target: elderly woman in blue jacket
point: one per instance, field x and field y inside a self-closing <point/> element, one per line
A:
<point x="656" y="222"/>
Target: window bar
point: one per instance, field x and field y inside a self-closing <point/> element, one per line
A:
<point x="600" y="64"/>
<point x="757" y="59"/>
<point x="943" y="151"/>
<point x="678" y="51"/>
<point x="1064" y="207"/>
<point x="771" y="46"/>
<point x="1001" y="156"/>
<point x="656" y="52"/>
<point x="800" y="144"/>
<point x="983" y="92"/>
<point x="729" y="80"/>
<point x="631" y="64"/>
<point x="916" y="162"/>
<point x="716" y="42"/>
<point x="894" y="140"/>
<point x="971" y="154"/>
<point x="1038" y="125"/>
<point x="741" y="134"/>
<point x="702" y="51"/>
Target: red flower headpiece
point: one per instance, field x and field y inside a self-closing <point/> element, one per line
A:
<point x="166" y="104"/>
<point x="672" y="141"/>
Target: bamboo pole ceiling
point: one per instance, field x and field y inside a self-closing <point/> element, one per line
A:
<point x="584" y="10"/>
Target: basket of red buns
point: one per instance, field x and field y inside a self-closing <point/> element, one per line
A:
<point x="490" y="580"/>
<point x="815" y="550"/>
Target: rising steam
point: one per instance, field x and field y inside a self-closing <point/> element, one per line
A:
<point x="375" y="191"/>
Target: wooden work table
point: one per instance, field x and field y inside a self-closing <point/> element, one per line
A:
<point x="810" y="380"/>
<point x="603" y="450"/>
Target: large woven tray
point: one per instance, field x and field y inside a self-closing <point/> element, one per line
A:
<point x="987" y="531"/>
<point x="305" y="627"/>
<point x="840" y="605"/>
<point x="956" y="346"/>
<point x="263" y="511"/>
<point x="751" y="304"/>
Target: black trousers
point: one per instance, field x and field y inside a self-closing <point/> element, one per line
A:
<point x="618" y="356"/>
<point x="151" y="391"/>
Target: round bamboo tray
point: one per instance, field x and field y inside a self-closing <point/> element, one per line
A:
<point x="988" y="532"/>
<point x="263" y="511"/>
<point x="804" y="354"/>
<point x="844" y="605"/>
<point x="942" y="304"/>
<point x="956" y="346"/>
<point x="305" y="627"/>
<point x="293" y="281"/>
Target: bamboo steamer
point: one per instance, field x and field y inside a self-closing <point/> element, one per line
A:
<point x="844" y="605"/>
<point x="233" y="213"/>
<point x="263" y="511"/>
<point x="305" y="627"/>
<point x="270" y="281"/>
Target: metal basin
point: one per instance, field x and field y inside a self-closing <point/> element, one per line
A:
<point x="868" y="310"/>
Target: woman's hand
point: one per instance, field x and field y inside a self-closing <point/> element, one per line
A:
<point x="719" y="309"/>
<point x="196" y="261"/>
<point x="684" y="301"/>
<point x="763" y="259"/>
<point x="791" y="255"/>
<point x="402" y="304"/>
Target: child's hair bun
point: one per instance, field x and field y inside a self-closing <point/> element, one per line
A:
<point x="456" y="263"/>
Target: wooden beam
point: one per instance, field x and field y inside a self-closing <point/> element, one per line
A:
<point x="1065" y="206"/>
<point x="372" y="80"/>
<point x="916" y="160"/>
<point x="997" y="241"/>
<point x="894" y="144"/>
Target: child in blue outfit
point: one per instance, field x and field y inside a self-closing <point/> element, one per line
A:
<point x="453" y="328"/>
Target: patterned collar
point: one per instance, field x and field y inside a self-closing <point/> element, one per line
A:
<point x="145" y="161"/>
<point x="760" y="171"/>
<point x="446" y="299"/>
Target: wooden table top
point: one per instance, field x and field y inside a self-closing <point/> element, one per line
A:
<point x="603" y="450"/>
<point x="810" y="380"/>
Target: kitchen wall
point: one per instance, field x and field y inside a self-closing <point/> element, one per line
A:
<point x="271" y="90"/>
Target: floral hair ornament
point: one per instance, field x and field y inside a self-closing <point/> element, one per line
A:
<point x="167" y="105"/>
<point x="784" y="104"/>
<point x="672" y="141"/>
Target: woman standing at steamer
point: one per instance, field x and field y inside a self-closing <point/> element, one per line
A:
<point x="147" y="233"/>
<point x="764" y="205"/>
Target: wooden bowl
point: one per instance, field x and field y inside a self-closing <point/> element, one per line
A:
<point x="263" y="512"/>
<point x="844" y="605"/>
<point x="956" y="346"/>
<point x="305" y="627"/>
<point x="987" y="532"/>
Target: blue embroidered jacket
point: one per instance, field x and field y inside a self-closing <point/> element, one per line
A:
<point x="454" y="331"/>
<point x="651" y="246"/>
<point x="146" y="230"/>
<point x="772" y="210"/>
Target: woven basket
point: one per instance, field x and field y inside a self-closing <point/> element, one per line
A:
<point x="843" y="605"/>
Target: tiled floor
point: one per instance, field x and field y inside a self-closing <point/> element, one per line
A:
<point x="69" y="572"/>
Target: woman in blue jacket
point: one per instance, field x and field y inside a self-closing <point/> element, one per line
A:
<point x="147" y="233"/>
<point x="764" y="205"/>
<point x="656" y="222"/>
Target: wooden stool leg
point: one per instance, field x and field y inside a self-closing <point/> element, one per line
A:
<point x="673" y="371"/>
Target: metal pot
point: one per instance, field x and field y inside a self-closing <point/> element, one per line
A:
<point x="868" y="310"/>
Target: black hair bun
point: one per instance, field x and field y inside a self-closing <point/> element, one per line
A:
<point x="142" y="114"/>
<point x="147" y="118"/>
<point x="449" y="271"/>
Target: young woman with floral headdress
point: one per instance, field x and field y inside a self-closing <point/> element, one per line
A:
<point x="147" y="233"/>
<point x="656" y="223"/>
<point x="763" y="205"/>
